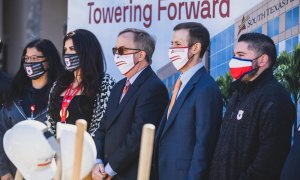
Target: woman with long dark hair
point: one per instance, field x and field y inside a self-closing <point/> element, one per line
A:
<point x="28" y="93"/>
<point x="83" y="89"/>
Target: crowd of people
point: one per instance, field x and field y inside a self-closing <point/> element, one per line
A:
<point x="193" y="139"/>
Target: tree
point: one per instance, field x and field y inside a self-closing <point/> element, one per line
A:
<point x="288" y="74"/>
<point x="224" y="85"/>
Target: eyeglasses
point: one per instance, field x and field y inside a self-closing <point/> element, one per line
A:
<point x="33" y="58"/>
<point x="120" y="50"/>
<point x="70" y="34"/>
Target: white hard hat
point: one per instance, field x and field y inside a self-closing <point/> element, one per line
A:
<point x="67" y="133"/>
<point x="28" y="149"/>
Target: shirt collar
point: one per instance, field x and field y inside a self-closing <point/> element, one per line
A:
<point x="186" y="76"/>
<point x="133" y="78"/>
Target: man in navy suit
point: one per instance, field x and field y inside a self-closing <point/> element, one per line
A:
<point x="138" y="99"/>
<point x="189" y="129"/>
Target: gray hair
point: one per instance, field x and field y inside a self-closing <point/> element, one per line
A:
<point x="143" y="40"/>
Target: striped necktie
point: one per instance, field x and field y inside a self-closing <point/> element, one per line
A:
<point x="125" y="89"/>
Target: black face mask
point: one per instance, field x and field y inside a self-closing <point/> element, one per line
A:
<point x="71" y="61"/>
<point x="34" y="70"/>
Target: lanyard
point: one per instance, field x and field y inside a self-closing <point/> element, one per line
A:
<point x="64" y="113"/>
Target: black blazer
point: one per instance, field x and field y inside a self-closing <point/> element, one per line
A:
<point x="121" y="127"/>
<point x="184" y="144"/>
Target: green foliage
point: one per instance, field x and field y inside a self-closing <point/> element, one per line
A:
<point x="224" y="85"/>
<point x="287" y="71"/>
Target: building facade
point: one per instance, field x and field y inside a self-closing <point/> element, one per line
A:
<point x="278" y="19"/>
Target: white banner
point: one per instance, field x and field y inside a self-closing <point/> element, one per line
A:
<point x="106" y="18"/>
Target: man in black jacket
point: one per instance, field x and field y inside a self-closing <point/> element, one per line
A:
<point x="256" y="129"/>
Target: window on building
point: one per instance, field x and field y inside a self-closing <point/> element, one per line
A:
<point x="277" y="48"/>
<point x="231" y="40"/>
<point x="292" y="18"/>
<point x="221" y="51"/>
<point x="258" y="30"/>
<point x="291" y="43"/>
<point x="213" y="61"/>
<point x="213" y="45"/>
<point x="228" y="54"/>
<point x="273" y="27"/>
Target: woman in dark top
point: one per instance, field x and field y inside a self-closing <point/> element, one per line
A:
<point x="28" y="94"/>
<point x="83" y="89"/>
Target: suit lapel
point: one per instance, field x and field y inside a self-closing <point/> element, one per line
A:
<point x="116" y="98"/>
<point x="130" y="93"/>
<point x="182" y="97"/>
<point x="161" y="126"/>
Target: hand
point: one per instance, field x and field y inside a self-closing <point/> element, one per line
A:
<point x="7" y="176"/>
<point x="98" y="172"/>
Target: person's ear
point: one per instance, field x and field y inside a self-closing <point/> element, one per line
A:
<point x="45" y="64"/>
<point x="263" y="60"/>
<point x="141" y="56"/>
<point x="196" y="48"/>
